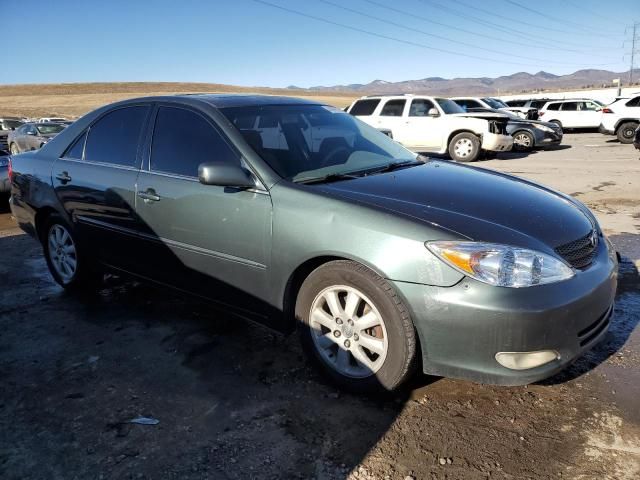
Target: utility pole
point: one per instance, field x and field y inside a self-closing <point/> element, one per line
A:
<point x="633" y="51"/>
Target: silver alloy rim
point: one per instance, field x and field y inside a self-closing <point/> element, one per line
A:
<point x="522" y="140"/>
<point x="463" y="147"/>
<point x="348" y="331"/>
<point x="62" y="252"/>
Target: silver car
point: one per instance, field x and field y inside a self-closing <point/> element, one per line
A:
<point x="32" y="136"/>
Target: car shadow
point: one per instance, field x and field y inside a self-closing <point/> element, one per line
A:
<point x="625" y="318"/>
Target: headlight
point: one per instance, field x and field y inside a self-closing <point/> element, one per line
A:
<point x="544" y="128"/>
<point x="502" y="265"/>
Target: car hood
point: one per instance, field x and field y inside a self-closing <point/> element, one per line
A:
<point x="533" y="122"/>
<point x="483" y="115"/>
<point x="475" y="203"/>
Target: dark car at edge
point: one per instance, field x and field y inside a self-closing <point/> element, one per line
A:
<point x="300" y="216"/>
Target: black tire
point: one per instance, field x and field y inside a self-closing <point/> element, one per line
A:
<point x="557" y="122"/>
<point x="468" y="151"/>
<point x="398" y="365"/>
<point x="626" y="132"/>
<point x="526" y="141"/>
<point x="87" y="275"/>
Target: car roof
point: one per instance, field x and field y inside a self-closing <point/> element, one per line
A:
<point x="224" y="100"/>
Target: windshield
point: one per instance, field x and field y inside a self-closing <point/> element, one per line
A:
<point x="49" y="129"/>
<point x="10" y="124"/>
<point x="449" y="106"/>
<point x="495" y="103"/>
<point x="303" y="142"/>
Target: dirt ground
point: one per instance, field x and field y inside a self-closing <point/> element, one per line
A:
<point x="236" y="401"/>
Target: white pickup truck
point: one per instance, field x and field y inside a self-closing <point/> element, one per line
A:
<point x="434" y="125"/>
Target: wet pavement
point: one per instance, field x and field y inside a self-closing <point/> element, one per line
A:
<point x="236" y="401"/>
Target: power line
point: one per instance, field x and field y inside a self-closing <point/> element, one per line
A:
<point x="460" y="29"/>
<point x="386" y="37"/>
<point x="399" y="25"/>
<point x="592" y="12"/>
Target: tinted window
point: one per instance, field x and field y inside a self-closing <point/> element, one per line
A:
<point x="634" y="102"/>
<point x="553" y="106"/>
<point x="516" y="103"/>
<point x="75" y="151"/>
<point x="183" y="139"/>
<point x="570" y="106"/>
<point x="449" y="106"/>
<point x="364" y="107"/>
<point x="420" y="107"/>
<point x="537" y="103"/>
<point x="393" y="108"/>
<point x="114" y="138"/>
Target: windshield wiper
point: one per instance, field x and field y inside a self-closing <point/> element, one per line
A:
<point x="332" y="177"/>
<point x="396" y="166"/>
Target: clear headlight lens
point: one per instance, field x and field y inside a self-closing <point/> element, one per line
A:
<point x="544" y="128"/>
<point x="502" y="265"/>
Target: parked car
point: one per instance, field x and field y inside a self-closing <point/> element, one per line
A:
<point x="572" y="113"/>
<point x="528" y="103"/>
<point x="621" y="118"/>
<point x="487" y="102"/>
<point x="436" y="125"/>
<point x="636" y="139"/>
<point x="7" y="124"/>
<point x="52" y="120"/>
<point x="528" y="134"/>
<point x="32" y="136"/>
<point x="374" y="255"/>
<point x="5" y="186"/>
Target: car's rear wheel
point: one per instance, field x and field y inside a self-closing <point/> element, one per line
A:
<point x="464" y="147"/>
<point x="68" y="264"/>
<point x="523" y="141"/>
<point x="626" y="132"/>
<point x="355" y="327"/>
<point x="13" y="148"/>
<point x="557" y="122"/>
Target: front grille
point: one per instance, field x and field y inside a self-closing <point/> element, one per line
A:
<point x="596" y="328"/>
<point x="580" y="252"/>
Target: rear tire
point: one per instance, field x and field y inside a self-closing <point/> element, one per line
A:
<point x="355" y="328"/>
<point x="464" y="147"/>
<point x="68" y="263"/>
<point x="626" y="132"/>
<point x="557" y="122"/>
<point x="523" y="141"/>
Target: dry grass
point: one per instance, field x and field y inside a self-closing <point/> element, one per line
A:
<point x="75" y="99"/>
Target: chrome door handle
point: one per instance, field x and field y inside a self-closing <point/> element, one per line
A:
<point x="63" y="177"/>
<point x="149" y="196"/>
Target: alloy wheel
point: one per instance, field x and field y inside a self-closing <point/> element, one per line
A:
<point x="522" y="140"/>
<point x="348" y="331"/>
<point x="62" y="252"/>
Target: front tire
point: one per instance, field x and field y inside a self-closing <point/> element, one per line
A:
<point x="70" y="267"/>
<point x="626" y="132"/>
<point x="464" y="147"/>
<point x="523" y="141"/>
<point x="355" y="328"/>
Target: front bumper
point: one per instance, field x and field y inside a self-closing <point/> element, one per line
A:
<point x="461" y="328"/>
<point x="548" y="138"/>
<point x="497" y="143"/>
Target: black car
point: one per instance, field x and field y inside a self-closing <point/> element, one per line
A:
<point x="528" y="134"/>
<point x="636" y="139"/>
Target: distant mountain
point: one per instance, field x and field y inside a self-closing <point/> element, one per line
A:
<point x="519" y="82"/>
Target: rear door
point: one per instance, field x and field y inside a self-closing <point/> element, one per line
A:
<point x="214" y="241"/>
<point x="391" y="118"/>
<point x="569" y="115"/>
<point x="95" y="181"/>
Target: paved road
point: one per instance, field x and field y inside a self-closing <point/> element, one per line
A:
<point x="234" y="400"/>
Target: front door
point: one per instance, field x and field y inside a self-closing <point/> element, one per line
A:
<point x="95" y="182"/>
<point x="214" y="241"/>
<point x="422" y="131"/>
<point x="589" y="114"/>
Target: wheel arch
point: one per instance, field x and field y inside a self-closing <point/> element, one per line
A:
<point x="41" y="217"/>
<point x="463" y="130"/>
<point x="622" y="121"/>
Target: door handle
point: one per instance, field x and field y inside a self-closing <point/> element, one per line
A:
<point x="63" y="177"/>
<point x="149" y="196"/>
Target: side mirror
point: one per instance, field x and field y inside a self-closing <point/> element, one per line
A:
<point x="225" y="175"/>
<point x="433" y="112"/>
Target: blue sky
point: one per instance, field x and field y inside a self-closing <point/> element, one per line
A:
<point x="244" y="42"/>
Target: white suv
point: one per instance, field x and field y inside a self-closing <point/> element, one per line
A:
<point x="621" y="118"/>
<point x="488" y="102"/>
<point x="572" y="113"/>
<point x="436" y="125"/>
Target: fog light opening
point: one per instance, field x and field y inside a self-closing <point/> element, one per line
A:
<point x="526" y="360"/>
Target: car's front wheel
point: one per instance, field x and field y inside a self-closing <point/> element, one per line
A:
<point x="464" y="147"/>
<point x="626" y="132"/>
<point x="355" y="327"/>
<point x="523" y="141"/>
<point x="68" y="265"/>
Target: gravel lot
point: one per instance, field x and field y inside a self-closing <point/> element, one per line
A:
<point x="236" y="401"/>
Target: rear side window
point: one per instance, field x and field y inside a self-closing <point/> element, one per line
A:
<point x="183" y="139"/>
<point x="634" y="102"/>
<point x="364" y="107"/>
<point x="114" y="138"/>
<point x="537" y="103"/>
<point x="516" y="103"/>
<point x="393" y="108"/>
<point x="570" y="106"/>
<point x="420" y="107"/>
<point x="77" y="148"/>
<point x="553" y="106"/>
